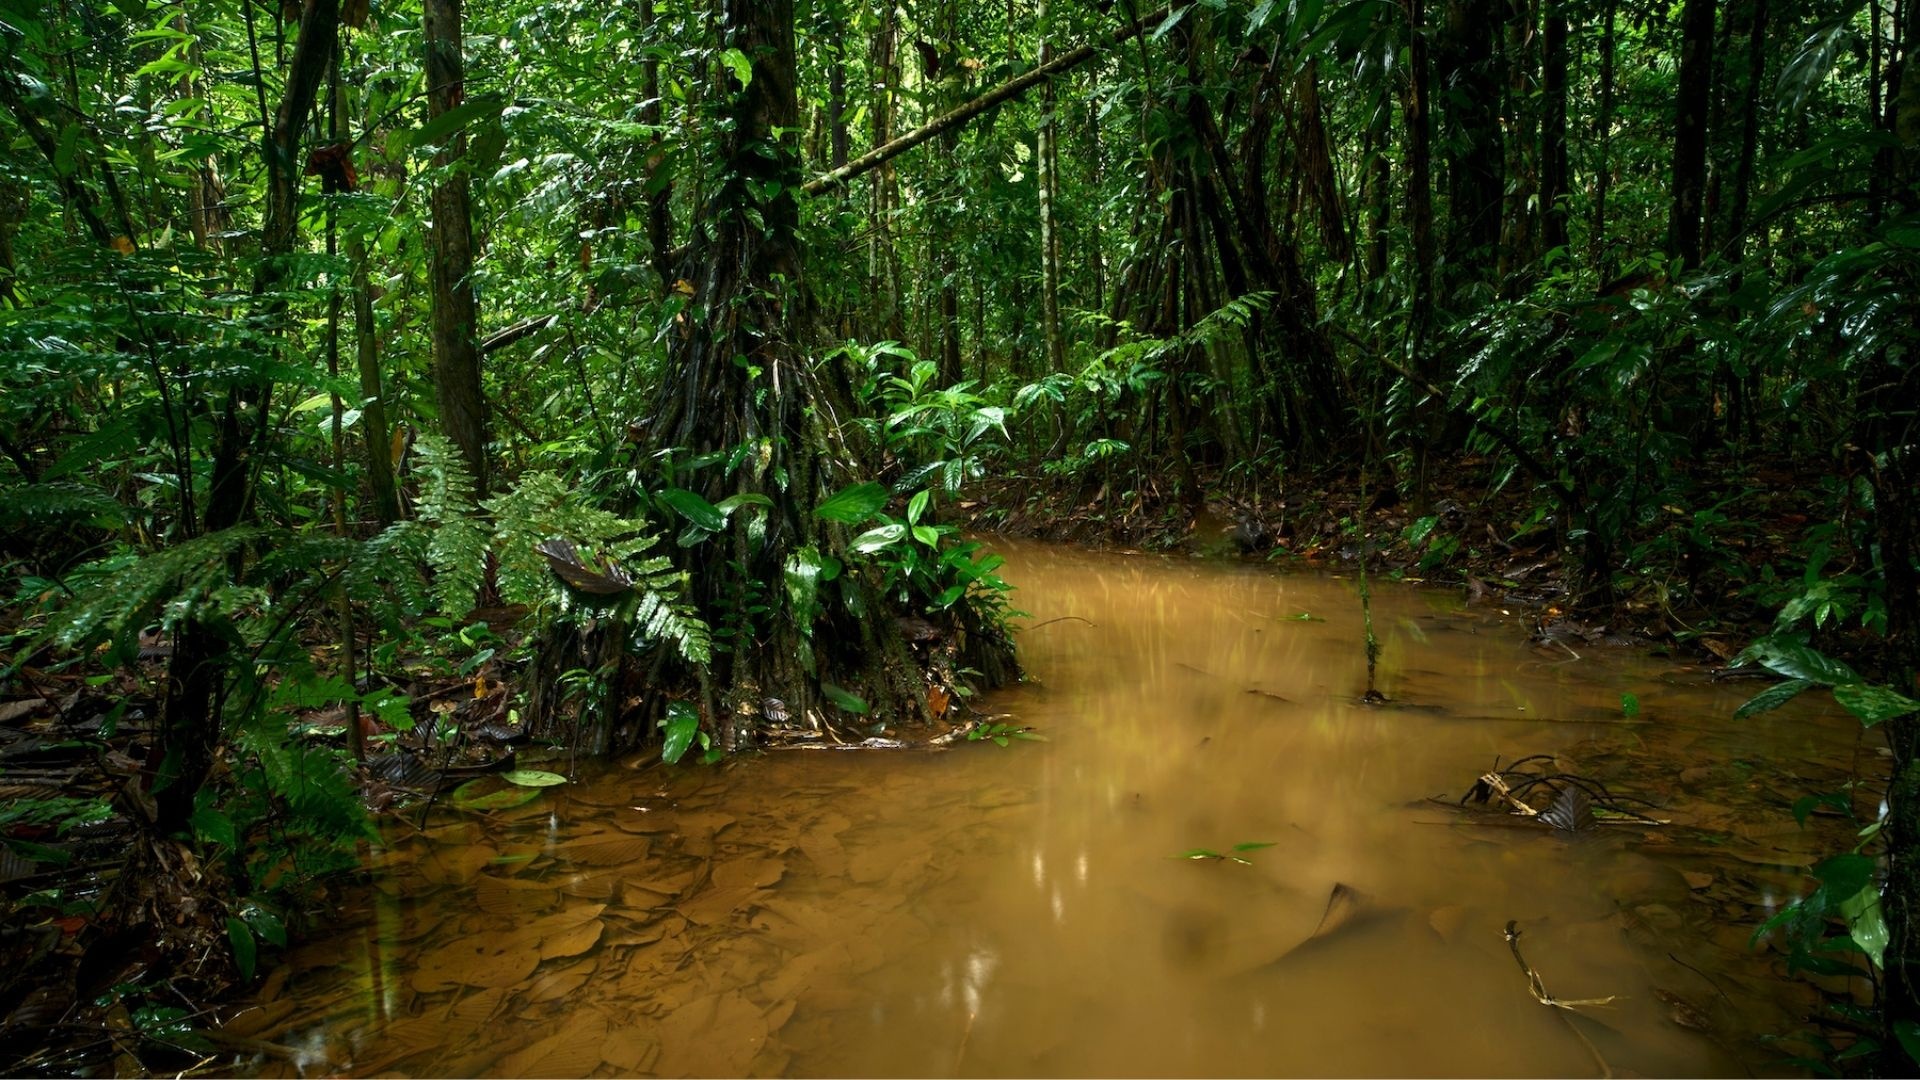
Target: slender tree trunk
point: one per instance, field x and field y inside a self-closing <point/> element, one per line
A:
<point x="1692" y="102"/>
<point x="659" y="189"/>
<point x="191" y="727"/>
<point x="1555" y="180"/>
<point x="456" y="357"/>
<point x="1603" y="169"/>
<point x="1418" y="171"/>
<point x="1045" y="173"/>
<point x="1474" y="146"/>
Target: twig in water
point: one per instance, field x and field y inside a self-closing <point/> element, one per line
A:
<point x="1062" y="618"/>
<point x="1540" y="994"/>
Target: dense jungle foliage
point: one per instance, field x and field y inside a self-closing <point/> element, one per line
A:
<point x="635" y="366"/>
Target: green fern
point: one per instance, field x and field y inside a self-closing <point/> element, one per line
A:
<point x="540" y="508"/>
<point x="47" y="504"/>
<point x="457" y="545"/>
<point x="170" y="583"/>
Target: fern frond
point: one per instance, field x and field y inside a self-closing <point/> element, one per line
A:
<point x="47" y="504"/>
<point x="179" y="576"/>
<point x="457" y="546"/>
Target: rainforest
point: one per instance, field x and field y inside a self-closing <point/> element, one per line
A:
<point x="910" y="537"/>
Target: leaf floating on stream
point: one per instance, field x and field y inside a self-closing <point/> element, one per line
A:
<point x="1571" y="810"/>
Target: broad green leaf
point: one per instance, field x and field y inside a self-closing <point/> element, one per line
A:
<point x="1908" y="1032"/>
<point x="266" y="925"/>
<point x="746" y="498"/>
<point x="213" y="826"/>
<point x="1629" y="706"/>
<point x="1874" y="704"/>
<point x="853" y="505"/>
<point x="852" y="703"/>
<point x="66" y="149"/>
<point x="917" y="506"/>
<point x="697" y="510"/>
<point x="1796" y="660"/>
<point x="245" y="950"/>
<point x="534" y="778"/>
<point x="875" y="539"/>
<point x="1866" y="923"/>
<point x="681" y="724"/>
<point x="1844" y="875"/>
<point x="472" y="796"/>
<point x="442" y="127"/>
<point x="1771" y="698"/>
<point x="1420" y="529"/>
<point x="741" y="67"/>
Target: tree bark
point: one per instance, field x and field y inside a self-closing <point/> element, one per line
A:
<point x="1555" y="179"/>
<point x="736" y="378"/>
<point x="1474" y="145"/>
<point x="1046" y="170"/>
<point x="456" y="359"/>
<point x="1692" y="102"/>
<point x="1419" y="174"/>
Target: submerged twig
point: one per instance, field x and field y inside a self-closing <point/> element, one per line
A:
<point x="1062" y="618"/>
<point x="1539" y="990"/>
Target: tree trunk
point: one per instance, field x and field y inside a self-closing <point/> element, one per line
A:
<point x="191" y="723"/>
<point x="659" y="190"/>
<point x="736" y="378"/>
<point x="1419" y="177"/>
<point x="1603" y="168"/>
<point x="1474" y="146"/>
<point x="1692" y="101"/>
<point x="1554" y="172"/>
<point x="1046" y="167"/>
<point x="456" y="358"/>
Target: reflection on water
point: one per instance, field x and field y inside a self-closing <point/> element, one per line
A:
<point x="1020" y="911"/>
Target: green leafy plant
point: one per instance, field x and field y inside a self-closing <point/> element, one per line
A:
<point x="1235" y="854"/>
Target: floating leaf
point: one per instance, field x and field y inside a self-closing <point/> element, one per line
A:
<point x="1629" y="706"/>
<point x="533" y="778"/>
<point x="470" y="796"/>
<point x="1255" y="845"/>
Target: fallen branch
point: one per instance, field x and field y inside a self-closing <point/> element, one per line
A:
<point x="961" y="114"/>
<point x="1539" y="990"/>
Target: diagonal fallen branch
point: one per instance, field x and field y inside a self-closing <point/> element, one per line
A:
<point x="1539" y="990"/>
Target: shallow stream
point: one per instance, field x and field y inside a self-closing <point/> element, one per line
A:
<point x="1023" y="910"/>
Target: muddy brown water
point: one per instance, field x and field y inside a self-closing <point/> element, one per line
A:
<point x="1022" y="911"/>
